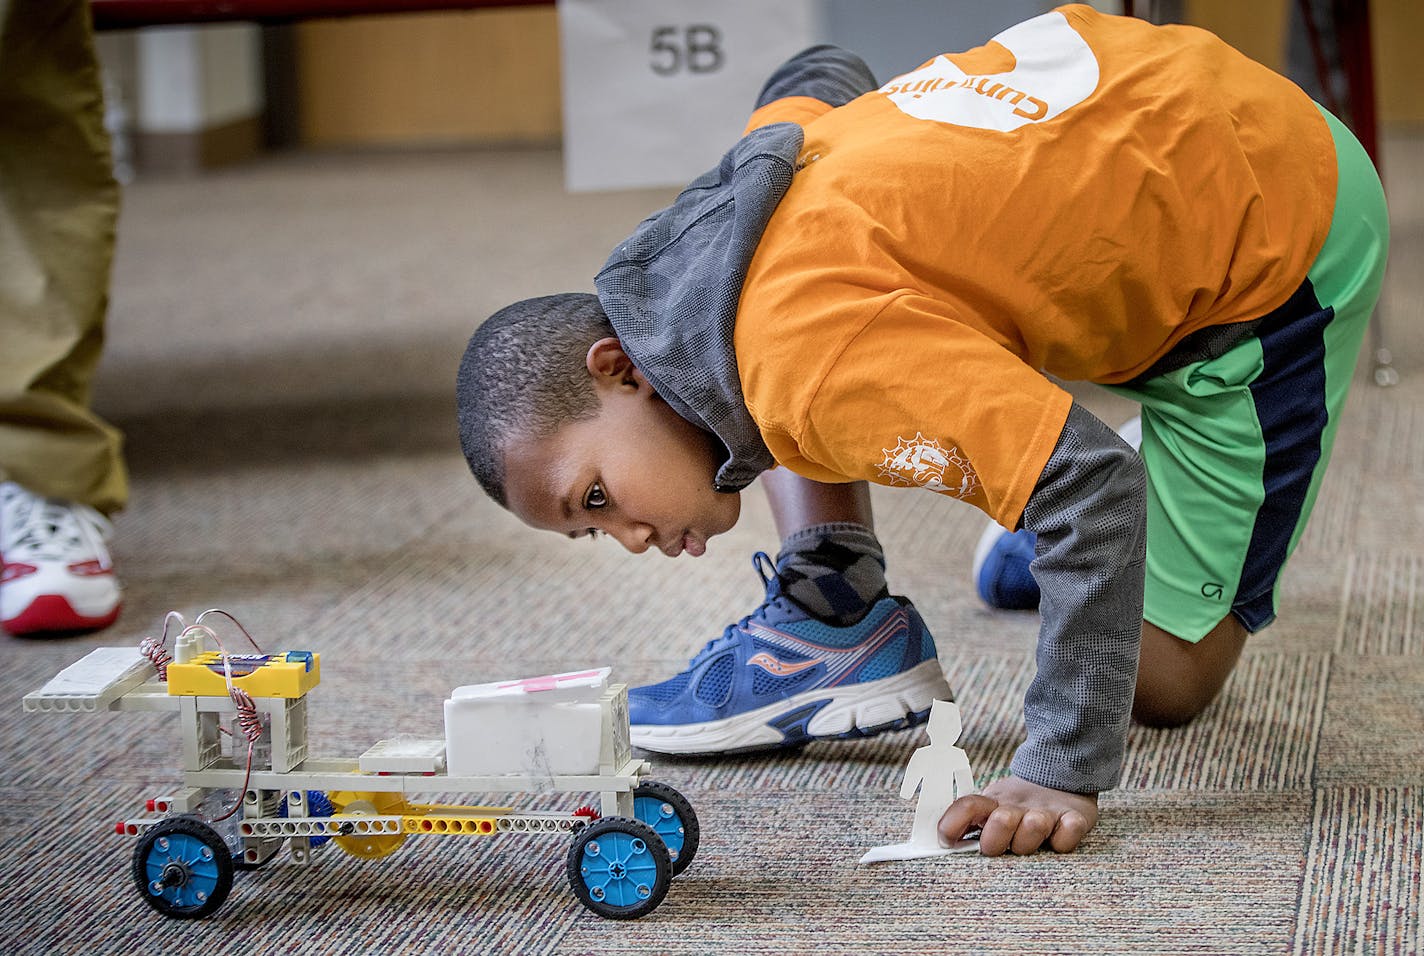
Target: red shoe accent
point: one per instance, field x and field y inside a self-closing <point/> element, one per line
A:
<point x="51" y="613"/>
<point x="13" y="572"/>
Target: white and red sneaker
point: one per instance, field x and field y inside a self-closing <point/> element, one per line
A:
<point x="57" y="574"/>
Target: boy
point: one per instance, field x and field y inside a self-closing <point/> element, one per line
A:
<point x="871" y="287"/>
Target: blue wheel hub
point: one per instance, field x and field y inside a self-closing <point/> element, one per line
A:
<point x="181" y="870"/>
<point x="618" y="869"/>
<point x="663" y="818"/>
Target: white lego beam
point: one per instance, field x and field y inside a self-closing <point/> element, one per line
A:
<point x="91" y="683"/>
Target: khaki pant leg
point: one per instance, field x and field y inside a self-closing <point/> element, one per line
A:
<point x="58" y="207"/>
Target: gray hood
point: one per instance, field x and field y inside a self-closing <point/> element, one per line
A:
<point x="671" y="291"/>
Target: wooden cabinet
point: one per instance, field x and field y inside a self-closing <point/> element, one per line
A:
<point x="484" y="76"/>
<point x="492" y="76"/>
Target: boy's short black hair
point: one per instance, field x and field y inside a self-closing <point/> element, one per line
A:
<point x="524" y="374"/>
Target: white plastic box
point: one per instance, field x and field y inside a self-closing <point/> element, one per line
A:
<point x="540" y="727"/>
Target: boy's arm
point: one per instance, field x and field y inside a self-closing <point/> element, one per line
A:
<point x="1089" y="513"/>
<point x="812" y="82"/>
<point x="916" y="398"/>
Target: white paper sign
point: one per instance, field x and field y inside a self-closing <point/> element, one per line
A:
<point x="940" y="773"/>
<point x="655" y="91"/>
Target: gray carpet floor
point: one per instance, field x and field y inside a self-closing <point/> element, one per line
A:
<point x="283" y="339"/>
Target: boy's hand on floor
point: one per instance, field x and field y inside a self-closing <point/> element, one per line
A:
<point x="1021" y="817"/>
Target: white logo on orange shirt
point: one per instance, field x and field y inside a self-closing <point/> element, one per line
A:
<point x="925" y="462"/>
<point x="1054" y="69"/>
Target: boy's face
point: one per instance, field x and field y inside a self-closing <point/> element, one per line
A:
<point x="637" y="471"/>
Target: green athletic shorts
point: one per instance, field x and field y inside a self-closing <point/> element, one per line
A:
<point x="1235" y="446"/>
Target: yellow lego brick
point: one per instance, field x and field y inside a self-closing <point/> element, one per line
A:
<point x="450" y="824"/>
<point x="285" y="674"/>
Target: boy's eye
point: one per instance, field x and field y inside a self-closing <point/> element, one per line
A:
<point x="595" y="496"/>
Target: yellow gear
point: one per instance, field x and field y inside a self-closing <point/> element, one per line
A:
<point x="368" y="846"/>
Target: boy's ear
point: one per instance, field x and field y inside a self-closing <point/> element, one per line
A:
<point x="608" y="362"/>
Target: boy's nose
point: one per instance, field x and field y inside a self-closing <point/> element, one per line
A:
<point x="635" y="536"/>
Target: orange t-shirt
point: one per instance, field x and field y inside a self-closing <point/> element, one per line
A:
<point x="1072" y="198"/>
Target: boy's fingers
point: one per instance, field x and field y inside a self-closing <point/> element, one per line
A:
<point x="1033" y="831"/>
<point x="999" y="829"/>
<point x="964" y="814"/>
<point x="1072" y="827"/>
<point x="1013" y="828"/>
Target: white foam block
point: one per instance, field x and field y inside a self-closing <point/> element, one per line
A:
<point x="539" y="726"/>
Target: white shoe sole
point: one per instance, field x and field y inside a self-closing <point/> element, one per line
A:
<point x="990" y="537"/>
<point x="854" y="710"/>
<point x="91" y="596"/>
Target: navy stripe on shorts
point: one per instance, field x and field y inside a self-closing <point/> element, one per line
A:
<point x="1289" y="395"/>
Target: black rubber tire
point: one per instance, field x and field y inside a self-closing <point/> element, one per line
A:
<point x="626" y="860"/>
<point x="685" y="816"/>
<point x="195" y="853"/>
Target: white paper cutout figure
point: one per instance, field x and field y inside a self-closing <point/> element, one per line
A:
<point x="940" y="772"/>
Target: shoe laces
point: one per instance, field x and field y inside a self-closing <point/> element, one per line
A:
<point x="34" y="528"/>
<point x="766" y="569"/>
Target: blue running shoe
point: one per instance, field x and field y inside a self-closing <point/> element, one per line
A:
<point x="1001" y="559"/>
<point x="1001" y="574"/>
<point x="779" y="677"/>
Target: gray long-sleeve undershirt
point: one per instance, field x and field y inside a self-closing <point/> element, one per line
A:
<point x="1089" y="513"/>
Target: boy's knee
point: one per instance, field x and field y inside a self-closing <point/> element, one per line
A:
<point x="1165" y="710"/>
<point x="1177" y="679"/>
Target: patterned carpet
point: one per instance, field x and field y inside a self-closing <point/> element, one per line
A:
<point x="283" y="337"/>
